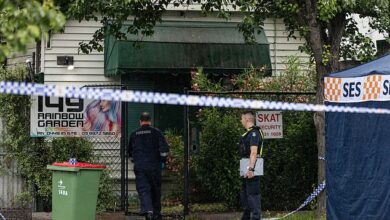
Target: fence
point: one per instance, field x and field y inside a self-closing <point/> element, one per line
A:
<point x="111" y="152"/>
<point x="291" y="164"/>
<point x="11" y="186"/>
<point x="183" y="196"/>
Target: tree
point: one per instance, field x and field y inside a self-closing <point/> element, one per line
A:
<point x="326" y="25"/>
<point x="24" y="21"/>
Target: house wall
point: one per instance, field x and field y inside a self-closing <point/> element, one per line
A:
<point x="89" y="68"/>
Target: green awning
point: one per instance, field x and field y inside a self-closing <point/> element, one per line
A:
<point x="181" y="46"/>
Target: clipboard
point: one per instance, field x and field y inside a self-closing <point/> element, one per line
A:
<point x="259" y="166"/>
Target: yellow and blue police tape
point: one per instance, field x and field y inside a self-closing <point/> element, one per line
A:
<point x="312" y="196"/>
<point x="23" y="88"/>
<point x="2" y="217"/>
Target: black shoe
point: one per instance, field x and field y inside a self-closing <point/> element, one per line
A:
<point x="149" y="216"/>
<point x="157" y="217"/>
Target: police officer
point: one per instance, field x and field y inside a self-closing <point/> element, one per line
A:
<point x="149" y="150"/>
<point x="249" y="147"/>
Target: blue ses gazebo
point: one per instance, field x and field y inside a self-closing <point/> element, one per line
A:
<point x="358" y="145"/>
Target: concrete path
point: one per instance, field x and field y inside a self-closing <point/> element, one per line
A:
<point x="121" y="216"/>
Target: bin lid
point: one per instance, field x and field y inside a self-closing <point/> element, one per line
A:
<point x="79" y="165"/>
<point x="66" y="166"/>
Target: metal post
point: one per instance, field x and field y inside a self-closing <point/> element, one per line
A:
<point x="126" y="106"/>
<point x="186" y="158"/>
<point x="38" y="57"/>
<point x="123" y="157"/>
<point x="33" y="56"/>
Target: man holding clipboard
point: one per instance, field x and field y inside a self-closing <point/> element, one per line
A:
<point x="251" y="167"/>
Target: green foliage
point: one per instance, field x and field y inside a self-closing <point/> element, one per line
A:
<point x="294" y="79"/>
<point x="329" y="29"/>
<point x="34" y="154"/>
<point x="65" y="148"/>
<point x="146" y="14"/>
<point x="175" y="167"/>
<point x="297" y="77"/>
<point x="356" y="46"/>
<point x="250" y="80"/>
<point x="23" y="200"/>
<point x="59" y="149"/>
<point x="327" y="9"/>
<point x="175" y="161"/>
<point x="325" y="18"/>
<point x="106" y="198"/>
<point x="291" y="163"/>
<point x="217" y="162"/>
<point x="203" y="82"/>
<point x="23" y="22"/>
<point x="216" y="154"/>
<point x="176" y="155"/>
<point x="208" y="207"/>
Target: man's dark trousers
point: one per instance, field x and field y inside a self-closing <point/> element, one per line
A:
<point x="250" y="198"/>
<point x="148" y="184"/>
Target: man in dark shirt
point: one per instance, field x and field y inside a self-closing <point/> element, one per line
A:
<point x="149" y="149"/>
<point x="249" y="148"/>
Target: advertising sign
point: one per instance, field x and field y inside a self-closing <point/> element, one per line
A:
<point x="271" y="123"/>
<point x="62" y="117"/>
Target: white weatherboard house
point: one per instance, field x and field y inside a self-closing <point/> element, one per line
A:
<point x="184" y="41"/>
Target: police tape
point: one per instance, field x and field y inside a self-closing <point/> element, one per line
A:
<point x="23" y="88"/>
<point x="312" y="196"/>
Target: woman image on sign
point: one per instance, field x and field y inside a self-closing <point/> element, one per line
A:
<point x="103" y="115"/>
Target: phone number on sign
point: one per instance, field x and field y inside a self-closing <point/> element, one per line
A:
<point x="273" y="134"/>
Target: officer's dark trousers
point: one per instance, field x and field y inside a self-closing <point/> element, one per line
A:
<point x="148" y="184"/>
<point x="250" y="198"/>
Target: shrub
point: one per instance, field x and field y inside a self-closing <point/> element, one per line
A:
<point x="217" y="163"/>
<point x="290" y="164"/>
<point x="175" y="167"/>
<point x="175" y="163"/>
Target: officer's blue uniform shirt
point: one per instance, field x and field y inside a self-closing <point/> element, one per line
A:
<point x="251" y="138"/>
<point x="146" y="146"/>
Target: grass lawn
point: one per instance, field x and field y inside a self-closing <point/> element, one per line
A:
<point x="303" y="215"/>
<point x="219" y="211"/>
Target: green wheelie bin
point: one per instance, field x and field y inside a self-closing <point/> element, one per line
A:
<point x="75" y="190"/>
